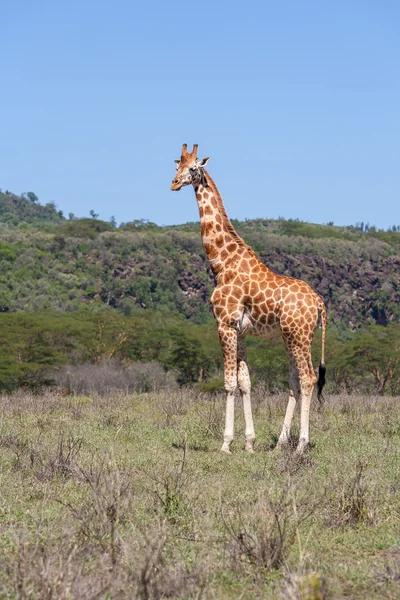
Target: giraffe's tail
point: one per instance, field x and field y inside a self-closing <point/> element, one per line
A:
<point x="322" y="367"/>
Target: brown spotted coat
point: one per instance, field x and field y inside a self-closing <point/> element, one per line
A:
<point x="251" y="299"/>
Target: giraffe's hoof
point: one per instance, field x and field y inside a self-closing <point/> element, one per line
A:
<point x="301" y="447"/>
<point x="281" y="446"/>
<point x="250" y="440"/>
<point x="225" y="449"/>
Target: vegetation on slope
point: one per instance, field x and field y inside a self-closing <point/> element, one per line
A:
<point x="64" y="281"/>
<point x="66" y="265"/>
<point x="25" y="210"/>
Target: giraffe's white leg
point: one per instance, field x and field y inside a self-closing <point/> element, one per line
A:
<point x="287" y="423"/>
<point x="229" y="422"/>
<point x="306" y="393"/>
<point x="307" y="380"/>
<point x="248" y="417"/>
<point x="294" y="395"/>
<point x="228" y="339"/>
<point x="245" y="390"/>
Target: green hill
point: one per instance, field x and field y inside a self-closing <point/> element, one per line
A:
<point x="18" y="210"/>
<point x="48" y="262"/>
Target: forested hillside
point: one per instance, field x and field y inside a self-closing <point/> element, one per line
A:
<point x="140" y="273"/>
<point x="25" y="209"/>
<point x="48" y="262"/>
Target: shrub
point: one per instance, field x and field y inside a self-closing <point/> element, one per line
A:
<point x="109" y="375"/>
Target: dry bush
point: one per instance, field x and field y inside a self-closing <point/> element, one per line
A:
<point x="169" y="490"/>
<point x="209" y="417"/>
<point x="99" y="553"/>
<point x="174" y="404"/>
<point x="109" y="498"/>
<point x="60" y="460"/>
<point x="18" y="447"/>
<point x="51" y="566"/>
<point x="39" y="567"/>
<point x="291" y="463"/>
<point x="22" y="402"/>
<point x="353" y="505"/>
<point x="151" y="577"/>
<point x="357" y="404"/>
<point x="260" y="534"/>
<point x="264" y="402"/>
<point x="45" y="462"/>
<point x="110" y="375"/>
<point x="206" y="416"/>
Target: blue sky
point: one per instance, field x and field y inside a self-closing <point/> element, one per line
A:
<point x="297" y="103"/>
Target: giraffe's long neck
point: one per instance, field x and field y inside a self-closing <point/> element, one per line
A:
<point x="220" y="240"/>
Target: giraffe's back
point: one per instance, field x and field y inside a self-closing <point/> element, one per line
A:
<point x="259" y="302"/>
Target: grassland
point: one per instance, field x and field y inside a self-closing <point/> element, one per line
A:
<point x="128" y="497"/>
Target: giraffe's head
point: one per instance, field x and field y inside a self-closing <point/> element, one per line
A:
<point x="189" y="169"/>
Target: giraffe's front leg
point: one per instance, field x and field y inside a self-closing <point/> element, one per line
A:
<point x="245" y="390"/>
<point x="228" y="339"/>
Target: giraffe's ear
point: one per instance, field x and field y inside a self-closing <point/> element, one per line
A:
<point x="204" y="161"/>
<point x="177" y="161"/>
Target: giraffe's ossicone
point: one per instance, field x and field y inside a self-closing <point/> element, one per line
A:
<point x="250" y="299"/>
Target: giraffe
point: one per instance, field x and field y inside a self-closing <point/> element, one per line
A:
<point x="251" y="299"/>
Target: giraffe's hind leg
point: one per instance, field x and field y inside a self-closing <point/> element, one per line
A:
<point x="245" y="390"/>
<point x="307" y="380"/>
<point x="294" y="395"/>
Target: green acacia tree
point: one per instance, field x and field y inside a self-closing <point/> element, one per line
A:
<point x="373" y="354"/>
<point x="268" y="363"/>
<point x="32" y="197"/>
<point x="187" y="357"/>
<point x="33" y="344"/>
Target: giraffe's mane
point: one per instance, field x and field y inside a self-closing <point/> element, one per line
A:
<point x="229" y="228"/>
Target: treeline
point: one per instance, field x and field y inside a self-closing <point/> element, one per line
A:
<point x="38" y="349"/>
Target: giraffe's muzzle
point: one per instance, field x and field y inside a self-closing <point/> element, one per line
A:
<point x="176" y="185"/>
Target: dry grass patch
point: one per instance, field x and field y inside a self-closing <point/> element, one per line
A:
<point x="128" y="496"/>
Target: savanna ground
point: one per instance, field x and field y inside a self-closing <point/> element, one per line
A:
<point x="110" y="497"/>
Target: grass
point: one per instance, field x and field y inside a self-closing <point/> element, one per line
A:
<point x="129" y="497"/>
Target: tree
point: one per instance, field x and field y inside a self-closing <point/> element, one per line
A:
<point x="93" y="214"/>
<point x="374" y="351"/>
<point x="32" y="197"/>
<point x="268" y="363"/>
<point x="187" y="357"/>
